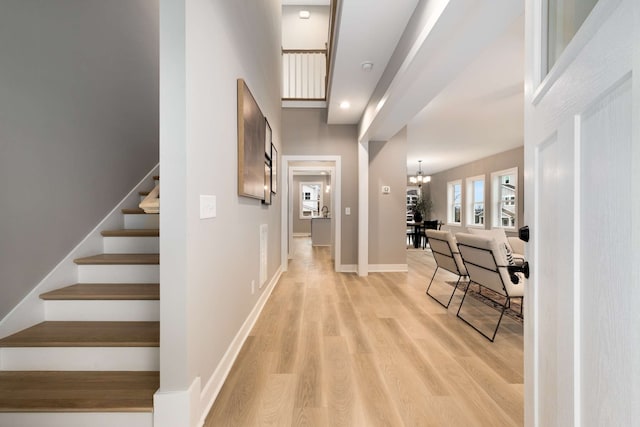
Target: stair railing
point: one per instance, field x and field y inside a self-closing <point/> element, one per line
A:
<point x="304" y="74"/>
<point x="151" y="203"/>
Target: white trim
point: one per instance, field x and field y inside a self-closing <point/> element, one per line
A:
<point x="388" y="268"/>
<point x="31" y="309"/>
<point x="216" y="381"/>
<point x="304" y="104"/>
<point x="450" y="214"/>
<point x="363" y="208"/>
<point x="470" y="200"/>
<point x="77" y="419"/>
<point x="349" y="268"/>
<point x="178" y="407"/>
<point x="495" y="198"/>
<point x="589" y="27"/>
<point x="287" y="201"/>
<point x="301" y="234"/>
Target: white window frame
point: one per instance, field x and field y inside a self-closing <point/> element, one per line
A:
<point x="320" y="199"/>
<point x="496" y="200"/>
<point x="450" y="203"/>
<point x="471" y="203"/>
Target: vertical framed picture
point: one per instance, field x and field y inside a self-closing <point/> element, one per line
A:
<point x="274" y="169"/>
<point x="267" y="139"/>
<point x="251" y="130"/>
<point x="267" y="183"/>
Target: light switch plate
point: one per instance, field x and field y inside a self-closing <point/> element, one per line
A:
<point x="347" y="211"/>
<point x="207" y="206"/>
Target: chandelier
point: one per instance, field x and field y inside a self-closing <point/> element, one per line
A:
<point x="419" y="178"/>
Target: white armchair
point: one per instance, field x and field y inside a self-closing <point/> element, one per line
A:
<point x="487" y="266"/>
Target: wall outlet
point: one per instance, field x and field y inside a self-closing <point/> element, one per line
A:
<point x="386" y="189"/>
<point x="253" y="287"/>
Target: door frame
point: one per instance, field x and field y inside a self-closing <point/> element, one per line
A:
<point x="287" y="208"/>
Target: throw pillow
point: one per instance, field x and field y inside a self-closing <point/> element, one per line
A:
<point x="509" y="255"/>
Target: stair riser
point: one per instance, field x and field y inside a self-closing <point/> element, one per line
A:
<point x="80" y="359"/>
<point x="77" y="419"/>
<point x="141" y="221"/>
<point x="118" y="273"/>
<point x="110" y="310"/>
<point x="131" y="245"/>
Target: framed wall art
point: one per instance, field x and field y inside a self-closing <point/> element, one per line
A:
<point x="251" y="143"/>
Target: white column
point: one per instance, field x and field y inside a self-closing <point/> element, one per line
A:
<point x="363" y="208"/>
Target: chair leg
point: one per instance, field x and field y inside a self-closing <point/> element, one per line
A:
<point x="492" y="338"/>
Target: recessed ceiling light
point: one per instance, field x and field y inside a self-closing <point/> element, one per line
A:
<point x="367" y="66"/>
<point x="345" y="105"/>
<point x="304" y="14"/>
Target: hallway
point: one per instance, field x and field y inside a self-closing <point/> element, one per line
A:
<point x="335" y="349"/>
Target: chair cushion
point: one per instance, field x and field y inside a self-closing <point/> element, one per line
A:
<point x="496" y="234"/>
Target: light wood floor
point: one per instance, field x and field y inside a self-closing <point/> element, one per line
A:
<point x="340" y="350"/>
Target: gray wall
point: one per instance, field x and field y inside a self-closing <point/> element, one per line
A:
<point x="208" y="265"/>
<point x="306" y="132"/>
<point x="78" y="125"/>
<point x="387" y="213"/>
<point x="498" y="162"/>
<point x="304" y="225"/>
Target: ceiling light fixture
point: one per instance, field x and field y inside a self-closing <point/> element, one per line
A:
<point x="367" y="66"/>
<point x="304" y="14"/>
<point x="345" y="105"/>
<point x="419" y="178"/>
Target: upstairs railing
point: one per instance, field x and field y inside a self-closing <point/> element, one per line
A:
<point x="304" y="75"/>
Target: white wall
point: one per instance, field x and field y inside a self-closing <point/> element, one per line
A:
<point x="309" y="33"/>
<point x="78" y="125"/>
<point x="208" y="265"/>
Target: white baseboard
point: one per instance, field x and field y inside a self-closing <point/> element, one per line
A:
<point x="348" y="268"/>
<point x="177" y="408"/>
<point x="31" y="309"/>
<point x="301" y="234"/>
<point x="216" y="381"/>
<point x="388" y="268"/>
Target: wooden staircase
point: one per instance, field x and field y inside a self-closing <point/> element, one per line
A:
<point x="95" y="359"/>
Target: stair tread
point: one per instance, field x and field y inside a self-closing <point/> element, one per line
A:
<point x="115" y="259"/>
<point x="77" y="391"/>
<point x="136" y="211"/>
<point x="86" y="334"/>
<point x="105" y="291"/>
<point x="140" y="232"/>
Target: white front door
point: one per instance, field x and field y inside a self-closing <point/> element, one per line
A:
<point x="582" y="189"/>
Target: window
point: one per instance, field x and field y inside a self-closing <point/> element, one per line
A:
<point x="454" y="202"/>
<point x="505" y="198"/>
<point x="475" y="201"/>
<point x="310" y="199"/>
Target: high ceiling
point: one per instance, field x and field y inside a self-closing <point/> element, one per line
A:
<point x="452" y="72"/>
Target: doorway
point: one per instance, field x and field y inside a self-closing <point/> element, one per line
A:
<point x="321" y="171"/>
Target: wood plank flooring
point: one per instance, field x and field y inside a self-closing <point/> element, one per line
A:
<point x="340" y="350"/>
